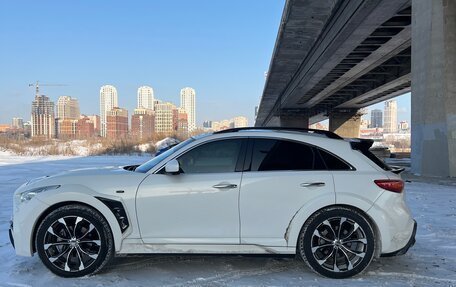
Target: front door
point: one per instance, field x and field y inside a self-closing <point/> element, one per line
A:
<point x="200" y="204"/>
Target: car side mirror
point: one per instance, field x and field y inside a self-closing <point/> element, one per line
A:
<point x="172" y="167"/>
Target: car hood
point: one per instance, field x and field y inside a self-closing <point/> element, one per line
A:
<point x="81" y="172"/>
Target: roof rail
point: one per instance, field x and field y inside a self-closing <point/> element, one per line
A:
<point x="303" y="130"/>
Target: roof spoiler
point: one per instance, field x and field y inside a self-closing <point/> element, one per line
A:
<point x="397" y="169"/>
<point x="363" y="145"/>
<point x="360" y="144"/>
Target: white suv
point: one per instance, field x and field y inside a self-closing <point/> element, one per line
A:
<point x="242" y="191"/>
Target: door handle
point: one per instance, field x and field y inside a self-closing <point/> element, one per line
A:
<point x="225" y="185"/>
<point x="310" y="184"/>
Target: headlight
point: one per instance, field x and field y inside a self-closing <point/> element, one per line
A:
<point x="29" y="194"/>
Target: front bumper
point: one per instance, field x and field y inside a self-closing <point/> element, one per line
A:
<point x="409" y="244"/>
<point x="10" y="231"/>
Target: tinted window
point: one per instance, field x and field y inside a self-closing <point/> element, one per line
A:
<point x="145" y="167"/>
<point x="217" y="156"/>
<point x="332" y="162"/>
<point x="269" y="154"/>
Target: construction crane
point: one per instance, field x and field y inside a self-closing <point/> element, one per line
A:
<point x="37" y="86"/>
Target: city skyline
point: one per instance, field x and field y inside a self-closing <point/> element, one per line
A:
<point x="402" y="100"/>
<point x="224" y="60"/>
<point x="110" y="91"/>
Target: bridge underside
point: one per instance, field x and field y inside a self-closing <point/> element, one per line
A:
<point x="333" y="57"/>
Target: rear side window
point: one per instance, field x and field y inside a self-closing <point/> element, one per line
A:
<point x="363" y="146"/>
<point x="270" y="154"/>
<point x="332" y="162"/>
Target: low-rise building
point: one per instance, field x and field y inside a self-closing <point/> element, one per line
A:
<point x="143" y="123"/>
<point x="116" y="123"/>
<point x="86" y="127"/>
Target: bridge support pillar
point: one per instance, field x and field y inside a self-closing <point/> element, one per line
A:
<point x="434" y="88"/>
<point x="345" y="123"/>
<point x="294" y="121"/>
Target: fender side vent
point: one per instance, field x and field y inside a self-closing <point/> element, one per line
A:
<point x="118" y="210"/>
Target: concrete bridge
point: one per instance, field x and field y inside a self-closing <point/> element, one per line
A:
<point x="333" y="57"/>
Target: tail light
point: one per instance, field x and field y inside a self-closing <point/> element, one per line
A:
<point x="394" y="185"/>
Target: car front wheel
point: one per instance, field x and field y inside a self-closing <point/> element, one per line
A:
<point x="337" y="242"/>
<point x="74" y="240"/>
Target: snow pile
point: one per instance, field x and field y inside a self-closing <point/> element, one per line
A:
<point x="166" y="142"/>
<point x="7" y="158"/>
<point x="78" y="148"/>
<point x="54" y="147"/>
<point x="146" y="147"/>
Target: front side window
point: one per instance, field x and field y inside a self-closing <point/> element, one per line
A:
<point x="145" y="167"/>
<point x="271" y="154"/>
<point x="213" y="157"/>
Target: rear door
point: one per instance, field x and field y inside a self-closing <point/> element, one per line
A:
<point x="280" y="178"/>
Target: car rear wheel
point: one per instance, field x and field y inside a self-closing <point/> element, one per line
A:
<point x="74" y="241"/>
<point x="337" y="242"/>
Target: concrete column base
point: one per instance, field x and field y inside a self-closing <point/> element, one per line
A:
<point x="345" y="123"/>
<point x="434" y="88"/>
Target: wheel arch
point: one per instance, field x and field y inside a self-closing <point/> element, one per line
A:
<point x="377" y="234"/>
<point x="104" y="212"/>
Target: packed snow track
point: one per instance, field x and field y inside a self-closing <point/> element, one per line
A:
<point x="431" y="262"/>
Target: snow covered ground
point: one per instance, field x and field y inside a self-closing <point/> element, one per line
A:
<point x="431" y="262"/>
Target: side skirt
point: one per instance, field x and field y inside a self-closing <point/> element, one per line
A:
<point x="135" y="246"/>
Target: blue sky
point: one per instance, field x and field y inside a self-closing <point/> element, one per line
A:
<point x="403" y="107"/>
<point x="220" y="48"/>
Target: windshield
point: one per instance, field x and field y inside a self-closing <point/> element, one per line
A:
<point x="145" y="167"/>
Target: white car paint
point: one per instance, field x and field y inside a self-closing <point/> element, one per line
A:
<point x="185" y="213"/>
<point x="269" y="201"/>
<point x="187" y="209"/>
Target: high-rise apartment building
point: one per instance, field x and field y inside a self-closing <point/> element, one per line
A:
<point x="180" y="122"/>
<point x="156" y="101"/>
<point x="187" y="102"/>
<point x="236" y="122"/>
<point x="404" y="126"/>
<point x="67" y="117"/>
<point x="95" y="119"/>
<point x="43" y="121"/>
<point x="390" y="123"/>
<point x="145" y="98"/>
<point x="143" y="123"/>
<point x="67" y="128"/>
<point x="17" y="123"/>
<point x="108" y="100"/>
<point x="116" y="123"/>
<point x="376" y="119"/>
<point x="164" y="117"/>
<point x="364" y="124"/>
<point x="68" y="108"/>
<point x="207" y="124"/>
<point x="240" y="122"/>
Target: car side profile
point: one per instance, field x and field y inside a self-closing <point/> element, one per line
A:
<point x="239" y="191"/>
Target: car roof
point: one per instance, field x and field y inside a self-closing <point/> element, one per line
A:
<point x="315" y="132"/>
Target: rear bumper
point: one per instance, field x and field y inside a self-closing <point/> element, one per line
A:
<point x="10" y="231"/>
<point x="409" y="244"/>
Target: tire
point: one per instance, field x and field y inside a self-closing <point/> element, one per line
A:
<point x="74" y="240"/>
<point x="337" y="242"/>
